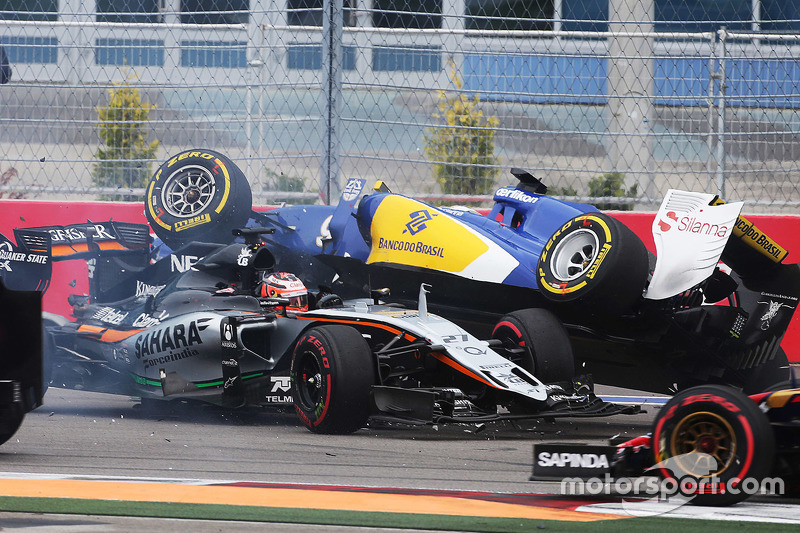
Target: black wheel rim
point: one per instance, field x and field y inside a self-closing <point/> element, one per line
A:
<point x="514" y="347"/>
<point x="309" y="381"/>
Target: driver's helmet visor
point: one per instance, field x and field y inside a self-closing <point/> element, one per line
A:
<point x="298" y="302"/>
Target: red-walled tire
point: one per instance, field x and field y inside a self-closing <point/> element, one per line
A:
<point x="332" y="372"/>
<point x="716" y="436"/>
<point x="197" y="195"/>
<point x="536" y="340"/>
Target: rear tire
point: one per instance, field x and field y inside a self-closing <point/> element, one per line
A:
<point x="332" y="373"/>
<point x="594" y="260"/>
<point x="536" y="340"/>
<point x="721" y="423"/>
<point x="198" y="195"/>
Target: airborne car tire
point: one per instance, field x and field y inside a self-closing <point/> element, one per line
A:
<point x="332" y="372"/>
<point x="198" y="195"/>
<point x="595" y="260"/>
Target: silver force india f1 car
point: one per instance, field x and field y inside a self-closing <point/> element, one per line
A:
<point x="231" y="331"/>
<point x="711" y="306"/>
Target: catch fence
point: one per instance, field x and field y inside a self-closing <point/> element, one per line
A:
<point x="438" y="99"/>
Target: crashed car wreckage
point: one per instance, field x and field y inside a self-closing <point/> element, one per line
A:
<point x="559" y="289"/>
<point x="212" y="333"/>
<point x="711" y="306"/>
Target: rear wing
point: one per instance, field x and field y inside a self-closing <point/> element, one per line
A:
<point x="27" y="264"/>
<point x="78" y="241"/>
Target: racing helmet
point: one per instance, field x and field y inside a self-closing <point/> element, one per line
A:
<point x="284" y="285"/>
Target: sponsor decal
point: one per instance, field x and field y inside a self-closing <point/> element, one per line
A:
<point x="755" y="238"/>
<point x="495" y="367"/>
<point x="773" y="308"/>
<point x="193" y="222"/>
<point x="280" y="391"/>
<point x="512" y="193"/>
<point x="451" y="211"/>
<point x="7" y="255"/>
<point x="244" y="257"/>
<point x="145" y="320"/>
<point x="182" y="263"/>
<point x="410" y="246"/>
<point x="692" y="224"/>
<point x="145" y="289"/>
<point x="184" y="155"/>
<point x="600" y="256"/>
<point x="228" y="336"/>
<point x="473" y="350"/>
<point x="557" y="460"/>
<point x="418" y="220"/>
<point x="572" y="460"/>
<point x="745" y="230"/>
<point x="170" y="338"/>
<point x="352" y="189"/>
<point x="59" y="235"/>
<point x="449" y="245"/>
<point x="109" y="315"/>
<point x="151" y="362"/>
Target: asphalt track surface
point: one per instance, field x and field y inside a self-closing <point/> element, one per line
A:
<point x="98" y="446"/>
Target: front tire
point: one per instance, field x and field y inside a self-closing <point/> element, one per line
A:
<point x="713" y="432"/>
<point x="594" y="260"/>
<point x="198" y="195"/>
<point x="332" y="372"/>
<point x="536" y="340"/>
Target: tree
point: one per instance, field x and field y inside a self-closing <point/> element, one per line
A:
<point x="125" y="162"/>
<point x="612" y="184"/>
<point x="462" y="149"/>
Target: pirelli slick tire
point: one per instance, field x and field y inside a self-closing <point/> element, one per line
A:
<point x="536" y="340"/>
<point x="594" y="260"/>
<point x="714" y="443"/>
<point x="197" y="195"/>
<point x="332" y="373"/>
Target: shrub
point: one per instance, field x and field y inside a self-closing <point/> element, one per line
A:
<point x="284" y="183"/>
<point x="612" y="184"/>
<point x="462" y="149"/>
<point x="126" y="159"/>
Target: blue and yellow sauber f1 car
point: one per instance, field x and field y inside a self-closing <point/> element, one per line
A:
<point x="711" y="306"/>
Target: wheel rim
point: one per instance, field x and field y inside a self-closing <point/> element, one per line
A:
<point x="575" y="254"/>
<point x="309" y="382"/>
<point x="703" y="433"/>
<point x="188" y="192"/>
<point x="514" y="346"/>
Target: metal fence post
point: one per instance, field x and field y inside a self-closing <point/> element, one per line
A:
<point x="332" y="19"/>
<point x="721" y="94"/>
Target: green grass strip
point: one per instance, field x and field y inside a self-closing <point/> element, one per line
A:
<point x="373" y="519"/>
